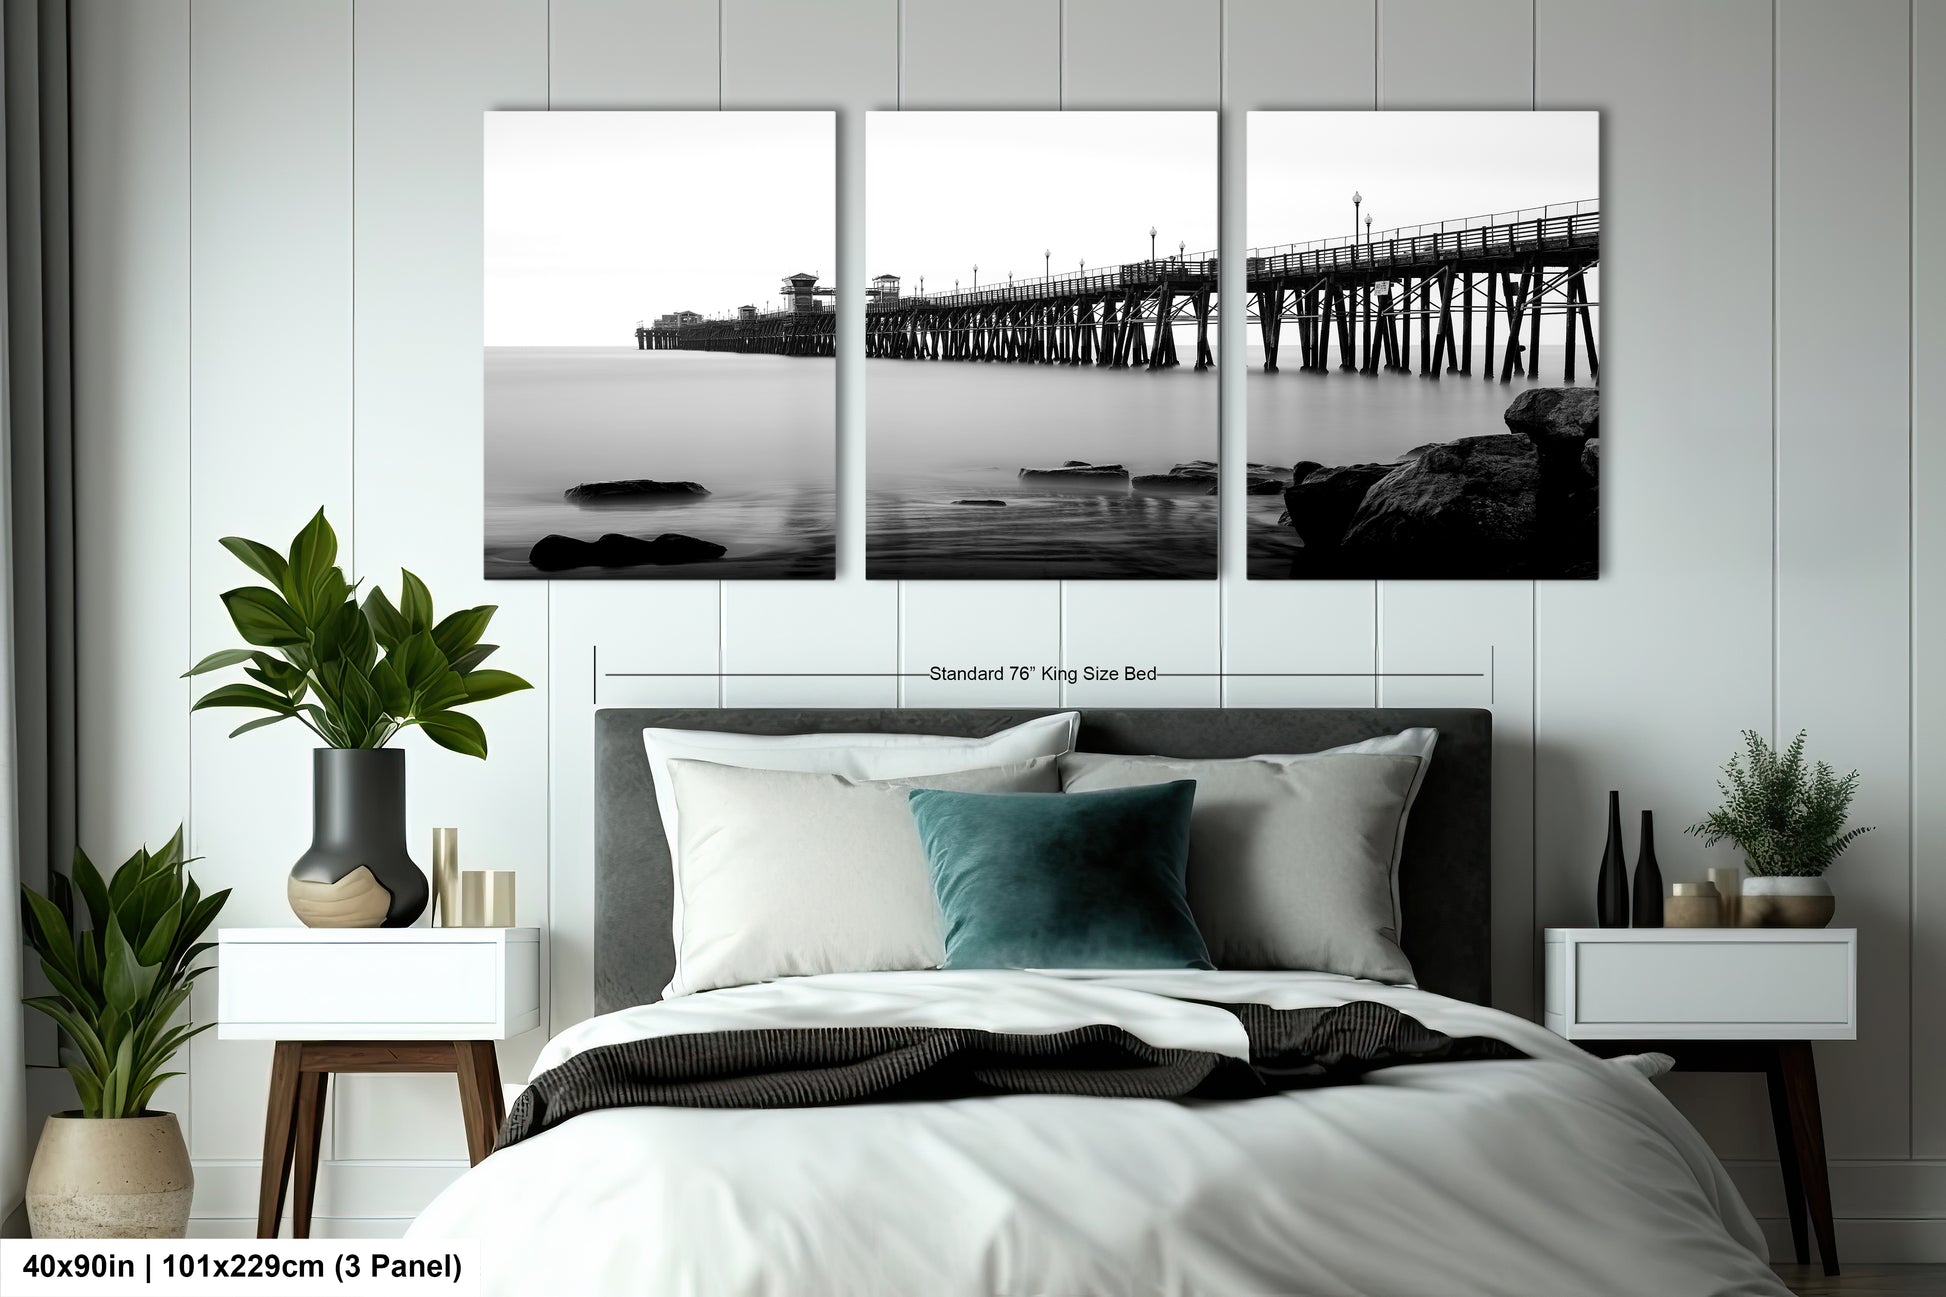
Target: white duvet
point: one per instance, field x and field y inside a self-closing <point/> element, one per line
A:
<point x="1561" y="1176"/>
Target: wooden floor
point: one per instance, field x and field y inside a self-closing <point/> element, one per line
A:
<point x="1867" y="1281"/>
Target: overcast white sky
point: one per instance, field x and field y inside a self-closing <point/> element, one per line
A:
<point x="1412" y="168"/>
<point x="946" y="190"/>
<point x="597" y="220"/>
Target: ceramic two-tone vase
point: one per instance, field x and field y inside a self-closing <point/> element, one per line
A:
<point x="1785" y="902"/>
<point x="110" y="1177"/>
<point x="357" y="873"/>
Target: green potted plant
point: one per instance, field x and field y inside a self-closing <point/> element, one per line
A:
<point x="114" y="1169"/>
<point x="356" y="676"/>
<point x="1788" y="818"/>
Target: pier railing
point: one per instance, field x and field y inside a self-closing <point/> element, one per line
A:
<point x="1427" y="246"/>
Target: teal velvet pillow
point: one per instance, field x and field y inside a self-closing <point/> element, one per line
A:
<point x="1062" y="880"/>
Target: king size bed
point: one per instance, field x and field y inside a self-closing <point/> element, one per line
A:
<point x="888" y="1126"/>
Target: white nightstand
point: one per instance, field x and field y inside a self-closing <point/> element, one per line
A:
<point x="370" y="1000"/>
<point x="1721" y="1000"/>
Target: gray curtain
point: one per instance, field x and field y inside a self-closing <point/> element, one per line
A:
<point x="37" y="686"/>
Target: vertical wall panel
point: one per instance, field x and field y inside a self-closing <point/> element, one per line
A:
<point x="781" y="54"/>
<point x="1929" y="580"/>
<point x="616" y="54"/>
<point x="1147" y="54"/>
<point x="1472" y="56"/>
<point x="270" y="182"/>
<point x="129" y="140"/>
<point x="1142" y="54"/>
<point x="130" y="124"/>
<point x="998" y="54"/>
<point x="632" y="54"/>
<point x="436" y="64"/>
<point x="1644" y="678"/>
<point x="1843" y="518"/>
<point x="956" y="55"/>
<point x="1325" y="628"/>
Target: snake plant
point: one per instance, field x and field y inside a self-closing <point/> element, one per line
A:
<point x="122" y="977"/>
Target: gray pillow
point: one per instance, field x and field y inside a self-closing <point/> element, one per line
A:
<point x="1290" y="858"/>
<point x="787" y="872"/>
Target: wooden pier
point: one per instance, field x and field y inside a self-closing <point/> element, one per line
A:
<point x="1105" y="318"/>
<point x="1454" y="281"/>
<point x="1365" y="295"/>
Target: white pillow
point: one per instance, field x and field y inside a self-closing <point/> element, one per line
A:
<point x="1289" y="858"/>
<point x="856" y="756"/>
<point x="788" y="873"/>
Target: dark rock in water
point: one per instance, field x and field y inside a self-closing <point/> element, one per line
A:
<point x="1591" y="459"/>
<point x="1548" y="415"/>
<point x="1264" y="484"/>
<point x="1183" y="477"/>
<point x="1417" y="451"/>
<point x="1561" y="422"/>
<point x="1303" y="467"/>
<point x="1074" y="463"/>
<point x="994" y="504"/>
<point x="1322" y="500"/>
<point x="556" y="553"/>
<point x="1469" y="508"/>
<point x="1102" y="474"/>
<point x="632" y="490"/>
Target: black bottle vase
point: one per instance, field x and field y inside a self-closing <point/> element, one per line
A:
<point x="357" y="873"/>
<point x="1611" y="888"/>
<point x="1648" y="878"/>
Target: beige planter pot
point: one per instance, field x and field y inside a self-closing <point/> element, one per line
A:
<point x="125" y="1177"/>
<point x="1785" y="903"/>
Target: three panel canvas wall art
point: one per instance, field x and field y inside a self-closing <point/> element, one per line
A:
<point x="1420" y="303"/>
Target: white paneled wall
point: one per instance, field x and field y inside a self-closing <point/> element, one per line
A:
<point x="278" y="304"/>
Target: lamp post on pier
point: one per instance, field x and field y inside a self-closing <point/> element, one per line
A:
<point x="976" y="276"/>
<point x="1356" y="200"/>
<point x="1368" y="237"/>
<point x="1180" y="246"/>
<point x="1152" y="243"/>
<point x="1047" y="263"/>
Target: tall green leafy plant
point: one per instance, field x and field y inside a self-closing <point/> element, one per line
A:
<point x="1786" y="815"/>
<point x="355" y="675"/>
<point x="121" y="977"/>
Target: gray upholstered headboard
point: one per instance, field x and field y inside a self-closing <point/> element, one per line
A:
<point x="1444" y="878"/>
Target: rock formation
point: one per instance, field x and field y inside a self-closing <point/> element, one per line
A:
<point x="633" y="490"/>
<point x="1523" y="503"/>
<point x="556" y="553"/>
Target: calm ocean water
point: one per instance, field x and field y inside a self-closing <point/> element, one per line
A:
<point x="940" y="431"/>
<point x="758" y="431"/>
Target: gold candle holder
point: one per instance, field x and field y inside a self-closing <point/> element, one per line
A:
<point x="486" y="898"/>
<point x="445" y="878"/>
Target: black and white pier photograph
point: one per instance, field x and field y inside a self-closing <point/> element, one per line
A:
<point x="1040" y="331"/>
<point x="661" y="388"/>
<point x="1424" y="344"/>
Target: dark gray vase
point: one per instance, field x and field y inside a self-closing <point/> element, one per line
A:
<point x="357" y="873"/>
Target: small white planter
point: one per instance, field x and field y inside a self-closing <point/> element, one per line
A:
<point x="1785" y="902"/>
<point x="121" y="1177"/>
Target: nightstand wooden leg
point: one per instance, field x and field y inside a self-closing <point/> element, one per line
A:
<point x="278" y="1131"/>
<point x="312" y="1088"/>
<point x="1780" y="1121"/>
<point x="1807" y="1132"/>
<point x="480" y="1099"/>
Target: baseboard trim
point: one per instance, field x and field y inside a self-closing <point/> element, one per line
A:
<point x="1887" y="1242"/>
